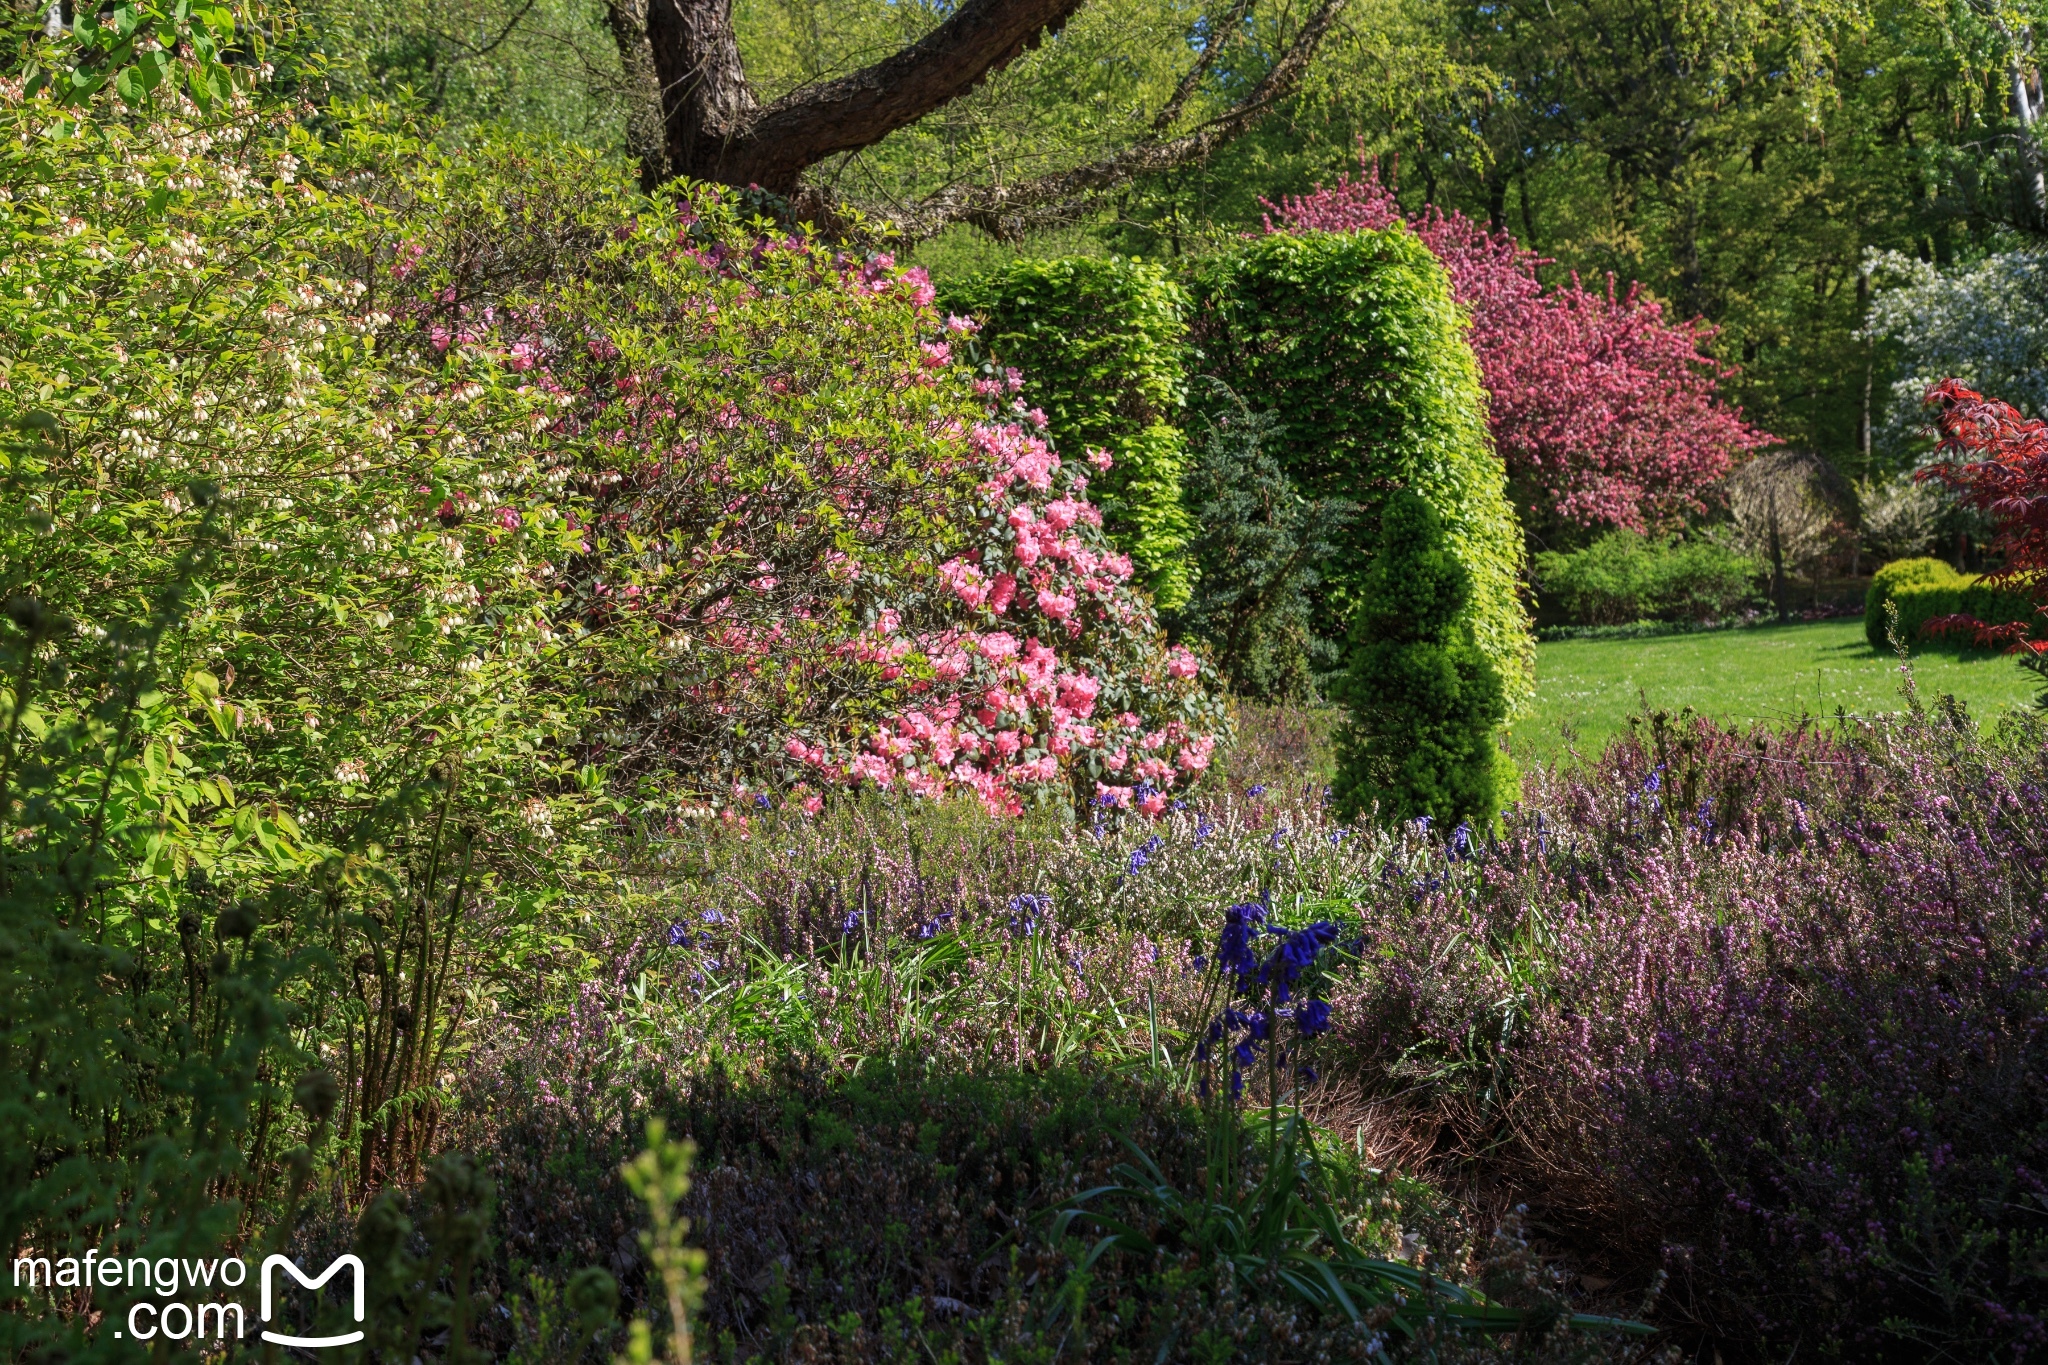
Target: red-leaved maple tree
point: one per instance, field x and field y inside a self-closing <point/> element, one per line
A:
<point x="1606" y="413"/>
<point x="1997" y="461"/>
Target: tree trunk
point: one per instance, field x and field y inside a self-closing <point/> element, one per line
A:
<point x="645" y="138"/>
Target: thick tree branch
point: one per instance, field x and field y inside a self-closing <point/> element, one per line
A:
<point x="716" y="132"/>
<point x="1006" y="211"/>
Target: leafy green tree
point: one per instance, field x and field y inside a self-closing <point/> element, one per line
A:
<point x="1424" y="702"/>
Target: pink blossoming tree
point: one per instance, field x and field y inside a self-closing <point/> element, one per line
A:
<point x="1606" y="413"/>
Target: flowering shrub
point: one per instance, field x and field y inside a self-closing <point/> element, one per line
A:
<point x="1607" y="414"/>
<point x="1103" y="348"/>
<point x="1998" y="461"/>
<point x="822" y="550"/>
<point x="1762" y="1010"/>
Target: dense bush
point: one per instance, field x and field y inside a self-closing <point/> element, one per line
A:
<point x="1607" y="414"/>
<point x="1927" y="591"/>
<point x="1102" y="345"/>
<point x="1256" y="549"/>
<point x="820" y="549"/>
<point x="1764" y="1010"/>
<point x="1423" y="703"/>
<point x="1624" y="576"/>
<point x="279" y="716"/>
<point x="1354" y="340"/>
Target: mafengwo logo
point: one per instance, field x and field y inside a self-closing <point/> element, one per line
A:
<point x="176" y="1284"/>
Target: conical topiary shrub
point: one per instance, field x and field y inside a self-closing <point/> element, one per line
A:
<point x="1424" y="702"/>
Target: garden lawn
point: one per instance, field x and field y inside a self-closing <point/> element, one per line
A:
<point x="1768" y="673"/>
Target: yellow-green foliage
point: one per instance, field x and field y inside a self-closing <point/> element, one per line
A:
<point x="1927" y="589"/>
<point x="1102" y="343"/>
<point x="1353" y="338"/>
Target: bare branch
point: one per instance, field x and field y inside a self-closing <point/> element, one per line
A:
<point x="1220" y="37"/>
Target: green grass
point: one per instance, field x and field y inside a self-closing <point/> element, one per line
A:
<point x="1772" y="673"/>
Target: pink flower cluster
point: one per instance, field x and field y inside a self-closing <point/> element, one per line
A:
<point x="1606" y="413"/>
<point x="1043" y="625"/>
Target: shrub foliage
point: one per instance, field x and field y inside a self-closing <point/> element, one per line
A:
<point x="1424" y="702"/>
<point x="1102" y="346"/>
<point x="1355" y="340"/>
<point x="1624" y="576"/>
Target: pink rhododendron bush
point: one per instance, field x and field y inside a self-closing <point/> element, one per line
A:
<point x="1607" y="413"/>
<point x="819" y="547"/>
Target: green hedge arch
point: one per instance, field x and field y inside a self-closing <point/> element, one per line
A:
<point x="1102" y="343"/>
<point x="1354" y="339"/>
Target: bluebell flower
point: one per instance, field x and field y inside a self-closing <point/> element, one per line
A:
<point x="1257" y="790"/>
<point x="1652" y="782"/>
<point x="1178" y="805"/>
<point x="1312" y="1017"/>
<point x="1203" y="829"/>
<point x="1339" y="835"/>
<point x="1142" y="855"/>
<point x="851" y="923"/>
<point x="761" y="800"/>
<point x="712" y="917"/>
<point x="678" y="935"/>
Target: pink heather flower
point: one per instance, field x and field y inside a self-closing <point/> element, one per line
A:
<point x="1001" y="595"/>
<point x="1056" y="605"/>
<point x="1181" y="662"/>
<point x="1100" y="458"/>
